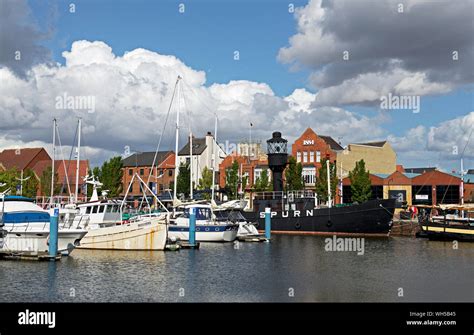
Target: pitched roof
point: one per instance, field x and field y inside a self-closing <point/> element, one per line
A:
<point x="331" y="142"/>
<point x="145" y="158"/>
<point x="18" y="158"/>
<point x="199" y="145"/>
<point x="420" y="170"/>
<point x="378" y="144"/>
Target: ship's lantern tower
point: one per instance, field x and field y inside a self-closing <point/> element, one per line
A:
<point x="277" y="150"/>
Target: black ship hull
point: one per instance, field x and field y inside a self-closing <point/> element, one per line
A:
<point x="373" y="217"/>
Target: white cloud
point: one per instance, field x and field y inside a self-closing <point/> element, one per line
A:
<point x="407" y="53"/>
<point x="132" y="93"/>
<point x="443" y="143"/>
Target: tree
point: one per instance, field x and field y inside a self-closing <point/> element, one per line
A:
<point x="322" y="181"/>
<point x="232" y="180"/>
<point x="262" y="183"/>
<point x="205" y="182"/>
<point x="294" y="175"/>
<point x="110" y="176"/>
<point x="361" y="186"/>
<point x="183" y="180"/>
<point x="45" y="182"/>
<point x="9" y="178"/>
<point x="30" y="186"/>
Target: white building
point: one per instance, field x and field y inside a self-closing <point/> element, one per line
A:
<point x="202" y="156"/>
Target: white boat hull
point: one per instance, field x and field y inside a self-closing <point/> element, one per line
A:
<point x="37" y="241"/>
<point x="204" y="236"/>
<point x="151" y="235"/>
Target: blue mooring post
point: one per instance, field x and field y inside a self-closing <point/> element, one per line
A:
<point x="192" y="226"/>
<point x="53" y="234"/>
<point x="268" y="223"/>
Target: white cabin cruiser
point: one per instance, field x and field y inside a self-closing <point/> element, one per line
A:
<point x="209" y="226"/>
<point x="27" y="227"/>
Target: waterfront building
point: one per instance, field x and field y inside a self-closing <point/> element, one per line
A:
<point x="310" y="149"/>
<point x="162" y="176"/>
<point x="253" y="150"/>
<point x="379" y="157"/>
<point x="38" y="160"/>
<point x="432" y="187"/>
<point x="202" y="156"/>
<point x="248" y="168"/>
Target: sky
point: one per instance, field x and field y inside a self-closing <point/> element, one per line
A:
<point x="319" y="64"/>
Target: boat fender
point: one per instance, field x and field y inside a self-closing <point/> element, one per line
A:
<point x="297" y="225"/>
<point x="47" y="241"/>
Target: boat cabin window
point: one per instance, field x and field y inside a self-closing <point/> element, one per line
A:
<point x="101" y="209"/>
<point x="94" y="209"/>
<point x="201" y="213"/>
<point x="108" y="208"/>
<point x="88" y="210"/>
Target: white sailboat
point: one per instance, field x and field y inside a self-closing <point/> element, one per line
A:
<point x="209" y="227"/>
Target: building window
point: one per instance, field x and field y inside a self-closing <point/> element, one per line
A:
<point x="160" y="172"/>
<point x="130" y="172"/>
<point x="170" y="173"/>
<point x="305" y="157"/>
<point x="318" y="156"/>
<point x="311" y="156"/>
<point x="141" y="172"/>
<point x="309" y="175"/>
<point x="256" y="174"/>
<point x="131" y="188"/>
<point x="298" y="156"/>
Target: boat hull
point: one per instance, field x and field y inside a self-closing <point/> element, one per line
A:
<point x="441" y="232"/>
<point x="205" y="233"/>
<point x="372" y="218"/>
<point x="37" y="241"/>
<point x="133" y="236"/>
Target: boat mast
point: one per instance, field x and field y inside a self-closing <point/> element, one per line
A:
<point x="52" y="163"/>
<point x="214" y="158"/>
<point x="78" y="158"/>
<point x="176" y="166"/>
<point x="462" y="186"/>
<point x="190" y="162"/>
<point x="329" y="183"/>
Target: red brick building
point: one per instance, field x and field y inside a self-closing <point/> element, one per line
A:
<point x="251" y="168"/>
<point x="162" y="177"/>
<point x="310" y="149"/>
<point x="430" y="187"/>
<point x="38" y="160"/>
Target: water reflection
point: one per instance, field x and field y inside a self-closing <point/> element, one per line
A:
<point x="290" y="268"/>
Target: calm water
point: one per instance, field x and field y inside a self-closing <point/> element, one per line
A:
<point x="254" y="272"/>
